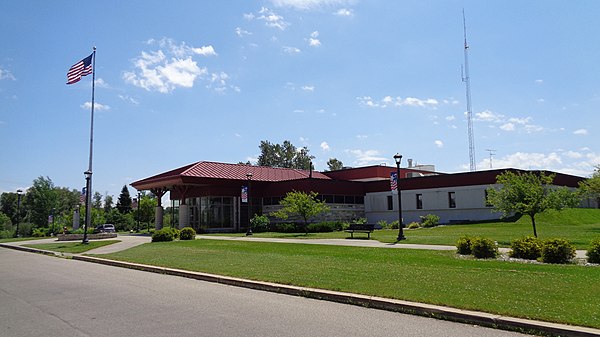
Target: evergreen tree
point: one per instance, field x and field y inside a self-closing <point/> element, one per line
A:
<point x="124" y="201"/>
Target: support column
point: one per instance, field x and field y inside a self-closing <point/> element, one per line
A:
<point x="184" y="216"/>
<point x="158" y="214"/>
<point x="76" y="219"/>
<point x="158" y="219"/>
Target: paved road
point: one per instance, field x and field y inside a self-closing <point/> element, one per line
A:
<point x="48" y="296"/>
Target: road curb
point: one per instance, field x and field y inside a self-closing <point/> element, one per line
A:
<point x="421" y="309"/>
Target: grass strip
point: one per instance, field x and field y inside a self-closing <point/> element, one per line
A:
<point x="72" y="247"/>
<point x="556" y="293"/>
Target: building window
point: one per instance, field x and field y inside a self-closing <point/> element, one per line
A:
<point x="419" y="201"/>
<point x="451" y="200"/>
<point x="390" y="203"/>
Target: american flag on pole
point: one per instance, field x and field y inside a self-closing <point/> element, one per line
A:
<point x="244" y="193"/>
<point x="79" y="69"/>
<point x="82" y="196"/>
<point x="394" y="181"/>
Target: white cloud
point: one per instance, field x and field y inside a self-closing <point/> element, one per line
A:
<point x="389" y="101"/>
<point x="100" y="83"/>
<point x="541" y="100"/>
<point x="507" y="127"/>
<point x="97" y="106"/>
<point x="325" y="146"/>
<point x="6" y="75"/>
<point x="310" y="88"/>
<point x="307" y="5"/>
<point x="241" y="32"/>
<point x="367" y="157"/>
<point x="271" y="19"/>
<point x="362" y="136"/>
<point x="579" y="163"/>
<point x="488" y="116"/>
<point x="580" y="132"/>
<point x="313" y="41"/>
<point x="129" y="99"/>
<point x="204" y="51"/>
<point x="344" y="12"/>
<point x="450" y="118"/>
<point x="171" y="66"/>
<point x="539" y="81"/>
<point x="439" y="144"/>
<point x="219" y="83"/>
<point x="291" y="50"/>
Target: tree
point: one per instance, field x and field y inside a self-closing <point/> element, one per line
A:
<point x="40" y="200"/>
<point x="8" y="206"/>
<point x="301" y="204"/>
<point x="97" y="200"/>
<point x="124" y="201"/>
<point x="333" y="164"/>
<point x="303" y="160"/>
<point x="528" y="193"/>
<point x="147" y="206"/>
<point x="284" y="155"/>
<point x="590" y="188"/>
<point x="108" y="203"/>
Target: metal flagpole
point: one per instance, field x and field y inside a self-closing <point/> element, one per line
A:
<point x="88" y="173"/>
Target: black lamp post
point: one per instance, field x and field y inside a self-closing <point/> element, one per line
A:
<point x="139" y="204"/>
<point x="249" y="231"/>
<point x="53" y="210"/>
<point x="88" y="209"/>
<point x="398" y="158"/>
<point x="18" y="211"/>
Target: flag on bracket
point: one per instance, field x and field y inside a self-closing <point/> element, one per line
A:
<point x="82" y="196"/>
<point x="394" y="181"/>
<point x="244" y="193"/>
<point x="79" y="69"/>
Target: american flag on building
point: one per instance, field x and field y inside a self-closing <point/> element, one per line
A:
<point x="79" y="69"/>
<point x="244" y="193"/>
<point x="394" y="180"/>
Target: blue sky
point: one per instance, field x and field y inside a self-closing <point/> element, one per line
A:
<point x="183" y="81"/>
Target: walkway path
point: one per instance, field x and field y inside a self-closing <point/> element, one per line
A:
<point x="129" y="241"/>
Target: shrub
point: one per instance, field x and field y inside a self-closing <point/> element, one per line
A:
<point x="529" y="248"/>
<point x="413" y="225"/>
<point x="325" y="226"/>
<point x="430" y="220"/>
<point x="463" y="245"/>
<point x="260" y="223"/>
<point x="394" y="224"/>
<point x="557" y="251"/>
<point x="6" y="234"/>
<point x="284" y="228"/>
<point x="187" y="233"/>
<point x="483" y="248"/>
<point x="593" y="253"/>
<point x="38" y="233"/>
<point x="384" y="224"/>
<point x="174" y="231"/>
<point x="162" y="235"/>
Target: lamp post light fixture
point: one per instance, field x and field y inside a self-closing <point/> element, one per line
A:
<point x="398" y="158"/>
<point x="18" y="211"/>
<point x="88" y="209"/>
<point x="249" y="230"/>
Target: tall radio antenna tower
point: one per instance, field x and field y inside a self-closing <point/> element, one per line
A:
<point x="467" y="80"/>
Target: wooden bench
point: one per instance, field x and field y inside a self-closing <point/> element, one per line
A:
<point x="361" y="228"/>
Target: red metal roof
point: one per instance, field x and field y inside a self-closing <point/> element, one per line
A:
<point x="214" y="170"/>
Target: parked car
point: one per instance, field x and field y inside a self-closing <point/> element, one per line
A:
<point x="105" y="228"/>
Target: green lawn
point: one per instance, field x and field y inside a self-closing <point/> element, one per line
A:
<point x="19" y="239"/>
<point x="558" y="293"/>
<point x="579" y="226"/>
<point x="72" y="247"/>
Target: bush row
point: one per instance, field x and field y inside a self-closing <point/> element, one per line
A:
<point x="555" y="250"/>
<point x="170" y="234"/>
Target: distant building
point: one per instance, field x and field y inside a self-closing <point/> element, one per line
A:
<point x="208" y="195"/>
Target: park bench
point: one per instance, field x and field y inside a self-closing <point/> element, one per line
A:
<point x="361" y="228"/>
